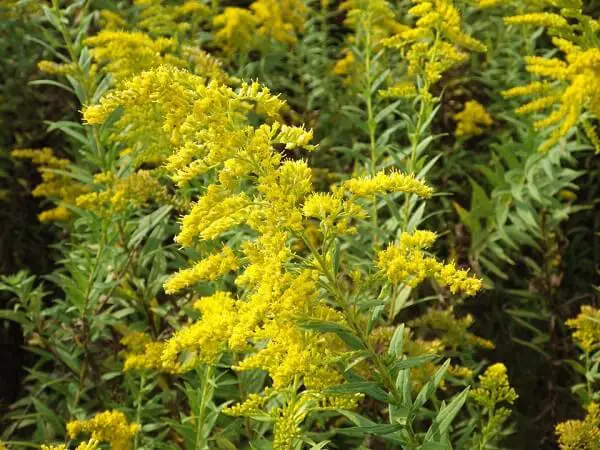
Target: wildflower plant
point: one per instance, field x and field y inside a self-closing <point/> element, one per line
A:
<point x="255" y="249"/>
<point x="565" y="84"/>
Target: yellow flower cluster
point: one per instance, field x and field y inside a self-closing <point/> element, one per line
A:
<point x="372" y="21"/>
<point x="55" y="184"/>
<point x="288" y="418"/>
<point x="453" y="331"/>
<point x="54" y="68"/>
<point x="432" y="46"/>
<point x="488" y="3"/>
<point x="280" y="20"/>
<point x="472" y="119"/>
<point x="587" y="328"/>
<point x="118" y="194"/>
<point x="92" y="444"/>
<point x="109" y="426"/>
<point x="210" y="133"/>
<point x="154" y="38"/>
<point x="142" y="352"/>
<point x="235" y="30"/>
<point x="542" y="19"/>
<point x="335" y="214"/>
<point x="175" y="109"/>
<point x="210" y="268"/>
<point x="383" y="183"/>
<point x="204" y="340"/>
<point x="494" y="387"/>
<point x="160" y="19"/>
<point x="406" y="262"/>
<point x="126" y="53"/>
<point x="581" y="434"/>
<point x="570" y="84"/>
<point x="17" y="9"/>
<point x="213" y="134"/>
<point x="240" y="30"/>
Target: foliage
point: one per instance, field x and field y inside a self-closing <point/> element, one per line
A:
<point x="305" y="224"/>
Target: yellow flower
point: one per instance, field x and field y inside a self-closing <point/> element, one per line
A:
<point x="433" y="45"/>
<point x="570" y="83"/>
<point x="333" y="212"/>
<point x="587" y="328"/>
<point x="161" y="19"/>
<point x="118" y="194"/>
<point x="92" y="444"/>
<point x="383" y="183"/>
<point x="538" y="19"/>
<point x="372" y="22"/>
<point x="111" y="20"/>
<point x="126" y="53"/>
<point x="581" y="434"/>
<point x="56" y="186"/>
<point x="406" y="89"/>
<point x="488" y="3"/>
<point x="280" y="20"/>
<point x="205" y="340"/>
<point x="471" y="120"/>
<point x="53" y="68"/>
<point x="406" y="262"/>
<point x="494" y="387"/>
<point x="210" y="268"/>
<point x="453" y="331"/>
<point x="142" y="353"/>
<point x="235" y="30"/>
<point x="109" y="426"/>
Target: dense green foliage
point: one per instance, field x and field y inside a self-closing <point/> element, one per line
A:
<point x="290" y="224"/>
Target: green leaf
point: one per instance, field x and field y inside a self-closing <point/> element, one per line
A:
<point x="430" y="387"/>
<point x="397" y="342"/>
<point x="16" y="316"/>
<point x="360" y="387"/>
<point x="441" y="423"/>
<point x="323" y="326"/>
<point x="413" y="361"/>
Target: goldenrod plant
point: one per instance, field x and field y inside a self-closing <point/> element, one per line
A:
<point x="260" y="231"/>
<point x="584" y="433"/>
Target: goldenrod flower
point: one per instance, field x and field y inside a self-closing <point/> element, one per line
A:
<point x="494" y="387"/>
<point x="118" y="194"/>
<point x="571" y="83"/>
<point x="581" y="434"/>
<point x="406" y="262"/>
<point x="280" y="20"/>
<point x="383" y="183"/>
<point x="433" y="45"/>
<point x="142" y="352"/>
<point x="109" y="426"/>
<point x="453" y="331"/>
<point x="160" y="19"/>
<point x="54" y="68"/>
<point x="56" y="186"/>
<point x="587" y="328"/>
<point x="204" y="340"/>
<point x="126" y="53"/>
<point x="92" y="444"/>
<point x="210" y="268"/>
<point x="542" y="19"/>
<point x="235" y="30"/>
<point x="471" y="120"/>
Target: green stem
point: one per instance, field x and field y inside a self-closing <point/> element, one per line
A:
<point x="415" y="139"/>
<point x="371" y="124"/>
<point x="205" y="397"/>
<point x="138" y="412"/>
<point x="351" y="316"/>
